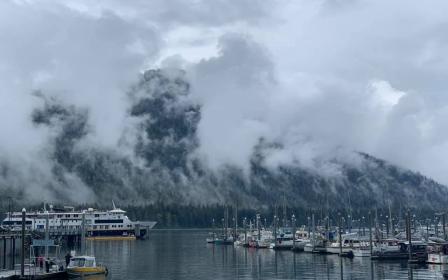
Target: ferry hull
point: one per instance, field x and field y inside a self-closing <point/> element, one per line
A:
<point x="111" y="238"/>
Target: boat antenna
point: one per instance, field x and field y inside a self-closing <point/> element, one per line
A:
<point x="113" y="205"/>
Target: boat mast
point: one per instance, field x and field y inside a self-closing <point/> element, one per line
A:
<point x="293" y="224"/>
<point x="314" y="230"/>
<point x="236" y="222"/>
<point x="285" y="219"/>
<point x="390" y="219"/>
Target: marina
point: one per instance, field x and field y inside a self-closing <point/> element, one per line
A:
<point x="183" y="254"/>
<point x="409" y="240"/>
<point x="355" y="248"/>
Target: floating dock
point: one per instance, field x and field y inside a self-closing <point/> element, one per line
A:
<point x="15" y="275"/>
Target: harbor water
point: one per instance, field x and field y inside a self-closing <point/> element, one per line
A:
<point x="184" y="254"/>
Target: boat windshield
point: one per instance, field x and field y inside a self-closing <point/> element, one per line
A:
<point x="77" y="262"/>
<point x="81" y="262"/>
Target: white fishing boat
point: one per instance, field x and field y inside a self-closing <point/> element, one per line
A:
<point x="362" y="252"/>
<point x="438" y="254"/>
<point x="350" y="242"/>
<point x="386" y="247"/>
<point x="81" y="266"/>
<point x="263" y="241"/>
<point x="284" y="240"/>
<point x="308" y="248"/>
<point x="302" y="239"/>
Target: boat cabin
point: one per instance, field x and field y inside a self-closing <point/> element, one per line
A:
<point x="82" y="261"/>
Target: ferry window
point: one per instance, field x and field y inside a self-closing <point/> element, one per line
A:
<point x="59" y="216"/>
<point x="75" y="215"/>
<point x="97" y="215"/>
<point x="67" y="215"/>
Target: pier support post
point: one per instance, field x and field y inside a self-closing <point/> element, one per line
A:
<point x="13" y="252"/>
<point x="370" y="234"/>
<point x="22" y="256"/>
<point x="275" y="229"/>
<point x="410" y="235"/>
<point x="340" y="236"/>
<point x="83" y="232"/>
<point x="245" y="231"/>
<point x="4" y="252"/>
<point x="47" y="232"/>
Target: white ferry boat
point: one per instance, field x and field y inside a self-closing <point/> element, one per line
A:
<point x="68" y="221"/>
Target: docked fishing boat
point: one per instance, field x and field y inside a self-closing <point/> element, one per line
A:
<point x="284" y="240"/>
<point x="211" y="238"/>
<point x="302" y="239"/>
<point x="317" y="248"/>
<point x="401" y="251"/>
<point x="262" y="240"/>
<point x="223" y="241"/>
<point x="349" y="241"/>
<point x="362" y="252"/>
<point x="81" y="266"/>
<point x="438" y="253"/>
<point x="244" y="239"/>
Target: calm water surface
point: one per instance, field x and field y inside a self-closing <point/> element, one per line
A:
<point x="176" y="254"/>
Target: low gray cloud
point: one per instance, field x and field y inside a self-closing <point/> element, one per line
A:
<point x="322" y="78"/>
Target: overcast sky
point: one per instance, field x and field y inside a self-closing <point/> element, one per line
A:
<point x="315" y="75"/>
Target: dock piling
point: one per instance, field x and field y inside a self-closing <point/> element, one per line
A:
<point x="13" y="252"/>
<point x="22" y="256"/>
<point x="4" y="252"/>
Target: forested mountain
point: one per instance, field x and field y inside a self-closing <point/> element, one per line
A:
<point x="164" y="165"/>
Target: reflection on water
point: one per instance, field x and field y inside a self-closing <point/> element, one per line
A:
<point x="185" y="255"/>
